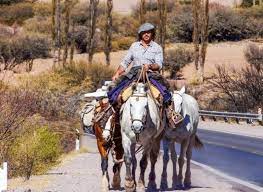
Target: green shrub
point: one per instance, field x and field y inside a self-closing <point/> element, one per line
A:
<point x="247" y="3"/>
<point x="35" y="150"/>
<point x="124" y="43"/>
<point x="254" y="56"/>
<point x="9" y="2"/>
<point x="74" y="73"/>
<point x="180" y="28"/>
<point x="16" y="13"/>
<point x="226" y="25"/>
<point x="98" y="72"/>
<point x="23" y="49"/>
<point x="252" y="12"/>
<point x="42" y="9"/>
<point x="80" y="38"/>
<point x="177" y="58"/>
<point x="38" y="24"/>
<point x="124" y="25"/>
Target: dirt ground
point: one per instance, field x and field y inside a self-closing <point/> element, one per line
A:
<point x="230" y="54"/>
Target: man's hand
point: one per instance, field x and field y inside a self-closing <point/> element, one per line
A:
<point x="119" y="72"/>
<point x="146" y="67"/>
<point x="116" y="76"/>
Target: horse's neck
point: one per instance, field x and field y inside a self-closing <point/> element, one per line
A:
<point x="153" y="110"/>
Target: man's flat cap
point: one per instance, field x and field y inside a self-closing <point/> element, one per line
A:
<point x="146" y="27"/>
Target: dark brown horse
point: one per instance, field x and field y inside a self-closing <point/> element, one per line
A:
<point x="113" y="145"/>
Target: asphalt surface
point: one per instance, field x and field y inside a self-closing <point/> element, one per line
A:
<point x="235" y="155"/>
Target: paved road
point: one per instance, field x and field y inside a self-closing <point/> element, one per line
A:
<point x="82" y="173"/>
<point x="235" y="155"/>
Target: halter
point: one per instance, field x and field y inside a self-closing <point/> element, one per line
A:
<point x="143" y="120"/>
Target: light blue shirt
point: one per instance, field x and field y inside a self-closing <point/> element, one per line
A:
<point x="139" y="55"/>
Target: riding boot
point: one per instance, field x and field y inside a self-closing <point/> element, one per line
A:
<point x="174" y="118"/>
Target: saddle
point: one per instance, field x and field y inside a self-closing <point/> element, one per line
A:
<point x="127" y="92"/>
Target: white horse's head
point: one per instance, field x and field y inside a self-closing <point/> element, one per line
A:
<point x="138" y="108"/>
<point x="178" y="99"/>
<point x="87" y="114"/>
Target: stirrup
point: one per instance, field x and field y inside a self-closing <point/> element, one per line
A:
<point x="177" y="118"/>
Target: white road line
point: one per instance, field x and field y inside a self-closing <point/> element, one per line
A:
<point x="233" y="179"/>
<point x="232" y="133"/>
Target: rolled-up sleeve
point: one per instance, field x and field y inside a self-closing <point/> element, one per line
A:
<point x="127" y="59"/>
<point x="159" y="57"/>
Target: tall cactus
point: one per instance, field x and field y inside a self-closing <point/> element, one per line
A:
<point x="162" y="25"/>
<point x="204" y="36"/>
<point x="66" y="30"/>
<point x="200" y="34"/>
<point x="54" y="4"/>
<point x="142" y="11"/>
<point x="58" y="29"/>
<point x="92" y="19"/>
<point x="108" y="31"/>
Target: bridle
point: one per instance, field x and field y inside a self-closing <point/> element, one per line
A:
<point x="143" y="120"/>
<point x="85" y="110"/>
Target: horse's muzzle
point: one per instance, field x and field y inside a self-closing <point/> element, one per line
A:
<point x="137" y="128"/>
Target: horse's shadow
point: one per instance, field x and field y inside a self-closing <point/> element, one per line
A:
<point x="168" y="189"/>
<point x="183" y="189"/>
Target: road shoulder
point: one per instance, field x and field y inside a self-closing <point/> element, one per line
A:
<point x="243" y="129"/>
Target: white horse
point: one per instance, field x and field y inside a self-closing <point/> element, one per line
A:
<point x="139" y="124"/>
<point x="185" y="134"/>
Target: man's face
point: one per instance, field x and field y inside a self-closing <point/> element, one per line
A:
<point x="147" y="36"/>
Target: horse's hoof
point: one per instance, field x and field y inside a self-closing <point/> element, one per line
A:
<point x="164" y="186"/>
<point x="140" y="187"/>
<point x="152" y="187"/>
<point x="179" y="187"/>
<point x="104" y="184"/>
<point x="129" y="186"/>
<point x="116" y="181"/>
<point x="187" y="186"/>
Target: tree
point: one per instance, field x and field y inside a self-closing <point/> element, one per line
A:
<point x="142" y="11"/>
<point x="200" y="34"/>
<point x="54" y="7"/>
<point x="58" y="29"/>
<point x="23" y="50"/>
<point x="196" y="7"/>
<point x="68" y="5"/>
<point x="162" y="25"/>
<point x="204" y="36"/>
<point x="108" y="31"/>
<point x="93" y="8"/>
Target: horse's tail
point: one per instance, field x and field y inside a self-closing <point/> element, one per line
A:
<point x="198" y="144"/>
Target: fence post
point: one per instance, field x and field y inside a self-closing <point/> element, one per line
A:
<point x="77" y="140"/>
<point x="3" y="177"/>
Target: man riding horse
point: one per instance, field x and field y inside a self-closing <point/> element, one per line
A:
<point x="147" y="55"/>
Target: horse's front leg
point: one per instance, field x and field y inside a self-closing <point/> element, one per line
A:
<point x="104" y="158"/>
<point x="105" y="175"/>
<point x="129" y="182"/>
<point x="187" y="179"/>
<point x="134" y="161"/>
<point x="164" y="183"/>
<point x="184" y="146"/>
<point x="153" y="158"/>
<point x="143" y="166"/>
<point x="174" y="160"/>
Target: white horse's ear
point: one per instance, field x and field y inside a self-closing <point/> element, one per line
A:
<point x="182" y="91"/>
